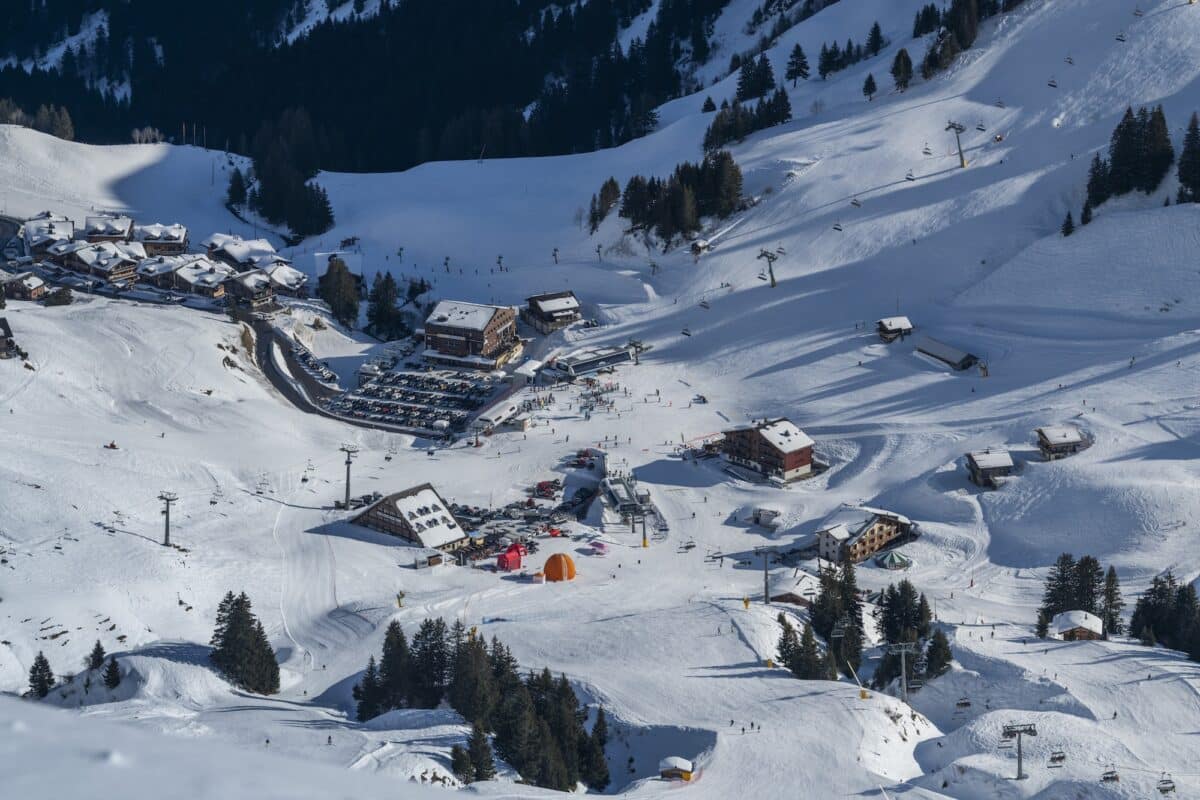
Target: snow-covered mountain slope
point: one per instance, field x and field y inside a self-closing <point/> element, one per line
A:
<point x="1098" y="329"/>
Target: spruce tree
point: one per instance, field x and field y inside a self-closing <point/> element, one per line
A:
<point x="1159" y="154"/>
<point x="236" y="195"/>
<point x="338" y="288"/>
<point x="808" y="663"/>
<point x="430" y="657"/>
<point x="1124" y="150"/>
<point x="368" y="693"/>
<point x="1089" y="584"/>
<point x="1085" y="216"/>
<point x="480" y="751"/>
<point x="241" y="650"/>
<point x="460" y="764"/>
<point x="112" y="674"/>
<point x="875" y="41"/>
<point x="902" y="70"/>
<point x="41" y="677"/>
<point x="1068" y="226"/>
<point x="95" y="659"/>
<point x="1112" y="603"/>
<point x="396" y="687"/>
<point x="1189" y="163"/>
<point x="789" y="644"/>
<point x="1098" y="186"/>
<point x="1059" y="593"/>
<point x="709" y="106"/>
<point x="938" y="655"/>
<point x="869" y="88"/>
<point x="797" y="66"/>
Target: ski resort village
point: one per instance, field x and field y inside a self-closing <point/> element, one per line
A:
<point x="730" y="398"/>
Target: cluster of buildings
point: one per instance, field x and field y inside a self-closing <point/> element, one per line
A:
<point x="113" y="249"/>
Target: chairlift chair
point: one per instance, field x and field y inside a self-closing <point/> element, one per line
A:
<point x="1121" y="37"/>
<point x="981" y="127"/>
<point x="1057" y="759"/>
<point x="762" y="276"/>
<point x="686" y="332"/>
<point x="926" y="149"/>
<point x="837" y="226"/>
<point x="1165" y="785"/>
<point x="908" y="176"/>
<point x="963" y="702"/>
<point x="856" y="203"/>
<point x="704" y="304"/>
<point x="999" y="103"/>
<point x="1052" y="83"/>
<point x="1110" y="775"/>
<point x="1070" y="61"/>
<point x="1137" y="11"/>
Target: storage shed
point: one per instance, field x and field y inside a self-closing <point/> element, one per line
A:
<point x="674" y="768"/>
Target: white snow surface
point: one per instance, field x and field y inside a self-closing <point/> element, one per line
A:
<point x="1098" y="330"/>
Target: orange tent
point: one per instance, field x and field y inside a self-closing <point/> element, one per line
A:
<point x="560" y="567"/>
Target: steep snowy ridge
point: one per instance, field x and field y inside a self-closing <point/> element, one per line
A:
<point x="1097" y="330"/>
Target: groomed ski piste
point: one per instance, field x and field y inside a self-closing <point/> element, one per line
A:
<point x="1099" y="330"/>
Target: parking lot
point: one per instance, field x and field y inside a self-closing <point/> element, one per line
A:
<point x="434" y="400"/>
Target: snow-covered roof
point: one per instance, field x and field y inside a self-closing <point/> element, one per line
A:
<point x="558" y="303"/>
<point x="64" y="247"/>
<point x="157" y="232"/>
<point x="107" y="225"/>
<point x="1070" y="620"/>
<point x="849" y="521"/>
<point x="203" y="272"/>
<point x="783" y="435"/>
<point x="254" y="280"/>
<point x="529" y="368"/>
<point x="675" y="762"/>
<point x="161" y="265"/>
<point x="1061" y="434"/>
<point x="48" y="229"/>
<point x="426" y="512"/>
<point x="243" y="251"/>
<point x="285" y="275"/>
<point x="458" y="314"/>
<point x="895" y="324"/>
<point x="106" y="256"/>
<point x="799" y="583"/>
<point x="991" y="459"/>
<point x="942" y="351"/>
<point x="26" y="279"/>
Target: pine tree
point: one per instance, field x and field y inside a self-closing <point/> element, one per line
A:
<point x="460" y="764"/>
<point x="1085" y="216"/>
<point x="875" y="41"/>
<point x="1059" y="594"/>
<point x="1042" y="630"/>
<point x="1111" y="604"/>
<point x="1159" y="152"/>
<point x="480" y="751"/>
<point x="95" y="659"/>
<point x="789" y="644"/>
<point x="797" y="66"/>
<point x="807" y="663"/>
<point x="938" y="655"/>
<point x="1089" y="584"/>
<point x="112" y="674"/>
<point x="827" y="61"/>
<point x="1189" y="163"/>
<point x="62" y="126"/>
<point x="1098" y="186"/>
<point x="236" y="195"/>
<point x="902" y="70"/>
<point x="869" y="88"/>
<point x="430" y="659"/>
<point x="395" y="685"/>
<point x="1123" y="155"/>
<point x="368" y="693"/>
<point x="1068" y="226"/>
<point x="41" y="677"/>
<point x="338" y="288"/>
<point x="709" y="106"/>
<point x="241" y="650"/>
<point x="596" y="767"/>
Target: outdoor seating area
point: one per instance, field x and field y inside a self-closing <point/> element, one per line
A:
<point x="434" y="400"/>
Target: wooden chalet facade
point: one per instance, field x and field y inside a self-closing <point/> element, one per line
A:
<point x="551" y="312"/>
<point x="418" y="515"/>
<point x="24" y="286"/>
<point x="986" y="468"/>
<point x="471" y="335"/>
<point x="855" y="533"/>
<point x="162" y="240"/>
<point x="775" y="448"/>
<point x="1060" y="441"/>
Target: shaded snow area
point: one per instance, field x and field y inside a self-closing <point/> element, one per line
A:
<point x="1099" y="331"/>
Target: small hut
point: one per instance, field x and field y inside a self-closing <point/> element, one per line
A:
<point x="1059" y="441"/>
<point x="674" y="768"/>
<point x="1077" y="626"/>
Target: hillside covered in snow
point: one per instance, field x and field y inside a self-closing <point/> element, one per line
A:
<point x="868" y="214"/>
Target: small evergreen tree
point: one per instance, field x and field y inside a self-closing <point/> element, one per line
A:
<point x="236" y="194"/>
<point x="95" y="659"/>
<point x="41" y="677"/>
<point x="460" y="764"/>
<point x="1189" y="163"/>
<point x="338" y="288"/>
<point x="938" y="655"/>
<point x="1068" y="226"/>
<point x="789" y="644"/>
<point x="797" y="66"/>
<point x="869" y="88"/>
<point x="480" y="751"/>
<point x="112" y="674"/>
<point x="875" y="40"/>
<point x="1085" y="216"/>
<point x="1098" y="188"/>
<point x="241" y="651"/>
<point x="709" y="106"/>
<point x="902" y="70"/>
<point x="395" y="686"/>
<point x="1112" y="604"/>
<point x="368" y="693"/>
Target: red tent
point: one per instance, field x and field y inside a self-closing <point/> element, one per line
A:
<point x="510" y="559"/>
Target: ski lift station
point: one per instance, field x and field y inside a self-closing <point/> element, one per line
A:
<point x="590" y="359"/>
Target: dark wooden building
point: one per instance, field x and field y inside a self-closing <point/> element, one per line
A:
<point x="774" y="447"/>
<point x="418" y="515"/>
<point x="551" y="312"/>
<point x="471" y="335"/>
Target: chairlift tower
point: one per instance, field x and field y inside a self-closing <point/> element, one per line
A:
<point x="958" y="131"/>
<point x="350" y="450"/>
<point x="167" y="498"/>
<point x="904" y="649"/>
<point x="1016" y="731"/>
<point x="766" y="552"/>
<point x="771" y="256"/>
